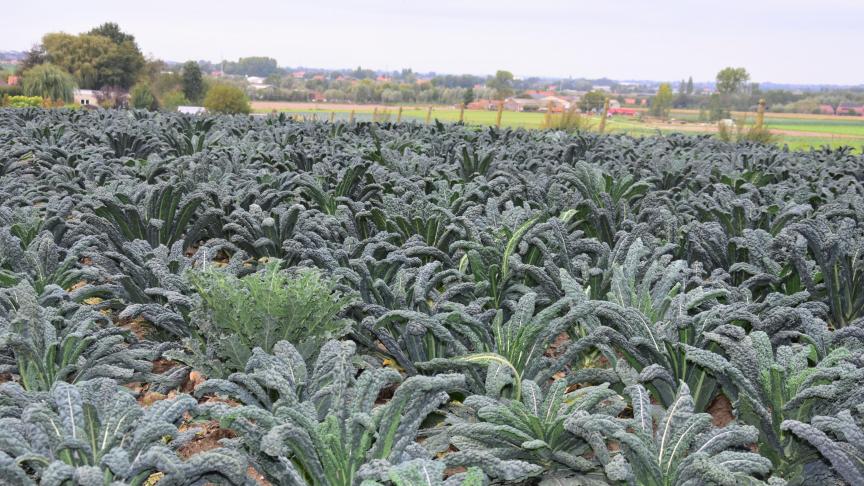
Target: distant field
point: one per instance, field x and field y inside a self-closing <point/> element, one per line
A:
<point x="799" y="132"/>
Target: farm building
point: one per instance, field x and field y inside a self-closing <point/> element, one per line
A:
<point x="850" y="109"/>
<point x="826" y="110"/>
<point x="523" y="104"/>
<point x="191" y="110"/>
<point x="622" y="112"/>
<point x="482" y="105"/>
<point x="558" y="103"/>
<point x="86" y="97"/>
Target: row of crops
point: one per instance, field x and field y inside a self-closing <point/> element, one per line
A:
<point x="240" y="300"/>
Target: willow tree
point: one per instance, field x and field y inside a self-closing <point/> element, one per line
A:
<point x="49" y="82"/>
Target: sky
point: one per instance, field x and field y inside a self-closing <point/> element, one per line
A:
<point x="789" y="41"/>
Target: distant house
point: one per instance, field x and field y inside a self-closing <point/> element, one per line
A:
<point x="522" y="104"/>
<point x="191" y="110"/>
<point x="614" y="104"/>
<point x="318" y="97"/>
<point x="849" y="109"/>
<point x="622" y="112"/>
<point x="13" y="80"/>
<point x="86" y="97"/>
<point x="558" y="104"/>
<point x="298" y="74"/>
<point x="826" y="110"/>
<point x="482" y="105"/>
<point x="255" y="80"/>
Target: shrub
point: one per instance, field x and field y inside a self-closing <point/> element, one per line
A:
<point x="23" y="101"/>
<point x="142" y="98"/>
<point x="172" y="99"/>
<point x="570" y="121"/>
<point x="223" y="98"/>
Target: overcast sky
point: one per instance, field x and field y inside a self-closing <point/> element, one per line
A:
<point x="796" y="41"/>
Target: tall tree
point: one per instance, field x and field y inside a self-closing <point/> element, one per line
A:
<point x="690" y="85"/>
<point x="468" y="98"/>
<point x="592" y="100"/>
<point x="731" y="80"/>
<point x="662" y="101"/>
<point x="49" y="82"/>
<point x="113" y="32"/>
<point x="193" y="82"/>
<point x="682" y="87"/>
<point x="96" y="60"/>
<point x="502" y="83"/>
<point x="34" y="57"/>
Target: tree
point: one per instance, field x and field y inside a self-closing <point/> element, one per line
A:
<point x="34" y="57"/>
<point x="193" y="82"/>
<point x="49" y="82"/>
<point x="690" y="85"/>
<point x="469" y="96"/>
<point x="502" y="83"/>
<point x="224" y="98"/>
<point x="113" y="32"/>
<point x="662" y="101"/>
<point x="256" y="66"/>
<point x="593" y="100"/>
<point x="731" y="80"/>
<point x="142" y="98"/>
<point x="716" y="108"/>
<point x="682" y="87"/>
<point x="95" y="60"/>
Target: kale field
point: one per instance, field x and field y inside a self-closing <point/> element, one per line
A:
<point x="257" y="300"/>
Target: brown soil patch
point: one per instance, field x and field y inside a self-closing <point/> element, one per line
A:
<point x="721" y="411"/>
<point x="257" y="477"/>
<point x="139" y="326"/>
<point x="207" y="439"/>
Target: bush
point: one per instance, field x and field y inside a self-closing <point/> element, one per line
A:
<point x="172" y="99"/>
<point x="223" y="98"/>
<point x="259" y="310"/>
<point x="142" y="98"/>
<point x="23" y="101"/>
<point x="569" y="121"/>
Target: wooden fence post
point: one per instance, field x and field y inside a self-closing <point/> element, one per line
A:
<point x="351" y="117"/>
<point x="462" y="113"/>
<point x="500" y="111"/>
<point x="603" y="116"/>
<point x="760" y="115"/>
<point x="429" y="114"/>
